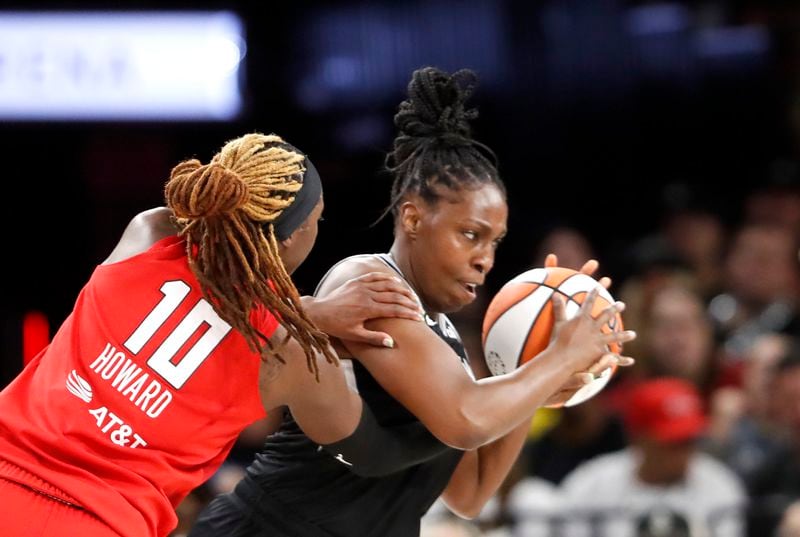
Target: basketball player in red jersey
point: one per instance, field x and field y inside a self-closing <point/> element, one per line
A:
<point x="181" y="338"/>
<point x="450" y="214"/>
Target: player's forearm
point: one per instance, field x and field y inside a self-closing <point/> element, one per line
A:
<point x="481" y="472"/>
<point x="425" y="376"/>
<point x="510" y="399"/>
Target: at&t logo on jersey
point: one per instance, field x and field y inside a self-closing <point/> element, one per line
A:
<point x="79" y="387"/>
<point x="109" y="423"/>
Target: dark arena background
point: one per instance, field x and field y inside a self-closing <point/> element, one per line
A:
<point x="607" y="117"/>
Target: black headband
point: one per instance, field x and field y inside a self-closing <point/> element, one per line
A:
<point x="304" y="202"/>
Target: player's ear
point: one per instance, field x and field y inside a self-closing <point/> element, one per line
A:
<point x="285" y="244"/>
<point x="410" y="217"/>
<point x="288" y="241"/>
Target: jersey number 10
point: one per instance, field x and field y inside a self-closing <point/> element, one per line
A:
<point x="162" y="359"/>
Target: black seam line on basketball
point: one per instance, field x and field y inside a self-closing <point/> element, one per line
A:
<point x="569" y="297"/>
<point x="515" y="303"/>
<point x="565" y="295"/>
<point x="553" y="289"/>
<point x="530" y="328"/>
<point x="579" y="304"/>
<point x="565" y="280"/>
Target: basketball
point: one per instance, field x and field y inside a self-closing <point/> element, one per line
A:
<point x="519" y="320"/>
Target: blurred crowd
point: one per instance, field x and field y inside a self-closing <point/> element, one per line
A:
<point x="701" y="438"/>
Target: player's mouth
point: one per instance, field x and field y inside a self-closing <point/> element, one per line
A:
<point x="470" y="288"/>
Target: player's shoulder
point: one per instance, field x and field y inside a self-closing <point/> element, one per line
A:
<point x="352" y="267"/>
<point x="144" y="230"/>
<point x="150" y="221"/>
<point x="355" y="265"/>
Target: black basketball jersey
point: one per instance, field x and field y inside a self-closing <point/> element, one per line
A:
<point x="307" y="485"/>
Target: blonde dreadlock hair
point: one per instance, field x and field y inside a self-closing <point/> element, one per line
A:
<point x="225" y="211"/>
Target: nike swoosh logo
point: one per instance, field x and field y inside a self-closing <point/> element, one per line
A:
<point x="340" y="458"/>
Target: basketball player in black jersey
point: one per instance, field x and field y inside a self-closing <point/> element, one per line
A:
<point x="449" y="208"/>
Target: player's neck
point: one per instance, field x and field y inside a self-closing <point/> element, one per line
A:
<point x="399" y="257"/>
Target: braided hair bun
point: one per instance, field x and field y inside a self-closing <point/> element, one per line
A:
<point x="226" y="211"/>
<point x="434" y="144"/>
<point x="436" y="105"/>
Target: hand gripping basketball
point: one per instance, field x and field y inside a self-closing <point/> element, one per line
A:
<point x="521" y="318"/>
<point x="585" y="345"/>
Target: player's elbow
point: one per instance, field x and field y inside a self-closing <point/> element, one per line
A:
<point x="465" y="431"/>
<point x="472" y="438"/>
<point x="461" y="420"/>
<point x="467" y="512"/>
<point x="466" y="508"/>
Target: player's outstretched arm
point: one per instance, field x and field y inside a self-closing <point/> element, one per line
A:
<point x="423" y="373"/>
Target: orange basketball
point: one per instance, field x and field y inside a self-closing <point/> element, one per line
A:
<point x="519" y="320"/>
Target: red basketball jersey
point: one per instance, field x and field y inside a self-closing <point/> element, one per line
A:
<point x="139" y="397"/>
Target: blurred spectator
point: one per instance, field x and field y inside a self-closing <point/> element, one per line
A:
<point x="679" y="337"/>
<point x="777" y="483"/>
<point x="741" y="428"/>
<point x="570" y="245"/>
<point x="696" y="235"/>
<point x="676" y="339"/>
<point x="790" y="521"/>
<point x="639" y="291"/>
<point x="690" y="237"/>
<point x="662" y="482"/>
<point x="762" y="280"/>
<point x="777" y="203"/>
